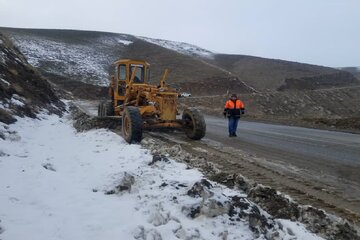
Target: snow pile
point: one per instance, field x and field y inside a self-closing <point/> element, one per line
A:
<point x="59" y="184"/>
<point x="181" y="47"/>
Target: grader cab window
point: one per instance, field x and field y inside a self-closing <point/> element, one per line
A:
<point x="122" y="79"/>
<point x="122" y="72"/>
<point x="139" y="74"/>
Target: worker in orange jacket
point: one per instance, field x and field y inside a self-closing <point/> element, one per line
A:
<point x="234" y="107"/>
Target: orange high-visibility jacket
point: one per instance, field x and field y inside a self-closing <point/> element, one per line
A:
<point x="231" y="105"/>
<point x="234" y="108"/>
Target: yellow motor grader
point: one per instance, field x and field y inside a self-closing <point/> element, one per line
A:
<point x="145" y="106"/>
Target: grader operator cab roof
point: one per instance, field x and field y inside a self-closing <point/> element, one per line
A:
<point x="125" y="67"/>
<point x="125" y="61"/>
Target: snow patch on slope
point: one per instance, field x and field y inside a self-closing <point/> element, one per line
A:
<point x="125" y="42"/>
<point x="69" y="58"/>
<point x="4" y="81"/>
<point x="180" y="47"/>
<point x="88" y="62"/>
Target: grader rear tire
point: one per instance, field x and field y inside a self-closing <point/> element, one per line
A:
<point x="132" y="125"/>
<point x="195" y="126"/>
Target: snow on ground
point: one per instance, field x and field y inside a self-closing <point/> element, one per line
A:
<point x="181" y="47"/>
<point x="56" y="183"/>
<point x="17" y="100"/>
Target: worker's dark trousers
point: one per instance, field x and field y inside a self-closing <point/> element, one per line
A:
<point x="233" y="123"/>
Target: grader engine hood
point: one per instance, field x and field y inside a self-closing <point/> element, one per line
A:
<point x="168" y="106"/>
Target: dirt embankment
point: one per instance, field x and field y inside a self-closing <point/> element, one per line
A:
<point x="23" y="92"/>
<point x="338" y="79"/>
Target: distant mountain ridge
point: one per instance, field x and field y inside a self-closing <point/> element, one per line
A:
<point x="353" y="70"/>
<point x="87" y="56"/>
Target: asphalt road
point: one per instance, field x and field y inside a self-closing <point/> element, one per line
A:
<point x="328" y="156"/>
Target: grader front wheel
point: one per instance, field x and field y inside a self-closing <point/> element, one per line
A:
<point x="132" y="125"/>
<point x="194" y="123"/>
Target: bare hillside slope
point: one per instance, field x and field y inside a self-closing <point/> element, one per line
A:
<point x="263" y="73"/>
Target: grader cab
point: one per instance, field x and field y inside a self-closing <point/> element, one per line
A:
<point x="145" y="106"/>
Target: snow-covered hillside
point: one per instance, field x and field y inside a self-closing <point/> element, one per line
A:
<point x="180" y="47"/>
<point x="86" y="61"/>
<point x="68" y="56"/>
<point x="59" y="184"/>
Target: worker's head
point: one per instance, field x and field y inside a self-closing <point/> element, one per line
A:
<point x="233" y="96"/>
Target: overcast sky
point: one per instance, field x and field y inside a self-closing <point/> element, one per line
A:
<point x="324" y="32"/>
